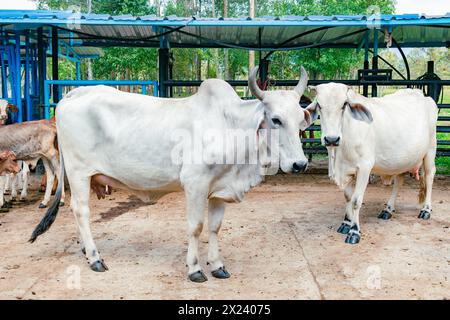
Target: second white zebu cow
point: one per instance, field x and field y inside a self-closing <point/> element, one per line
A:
<point x="387" y="136"/>
<point x="125" y="140"/>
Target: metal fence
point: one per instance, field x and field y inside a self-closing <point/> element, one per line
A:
<point x="50" y="101"/>
<point x="312" y="144"/>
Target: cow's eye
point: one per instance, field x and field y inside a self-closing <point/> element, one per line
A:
<point x="276" y="122"/>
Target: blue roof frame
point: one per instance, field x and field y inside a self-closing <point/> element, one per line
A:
<point x="71" y="17"/>
<point x="228" y="32"/>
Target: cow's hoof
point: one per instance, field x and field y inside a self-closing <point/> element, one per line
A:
<point x="99" y="266"/>
<point x="352" y="238"/>
<point x="7" y="193"/>
<point x="385" y="215"/>
<point x="42" y="206"/>
<point x="4" y="209"/>
<point x="22" y="200"/>
<point x="344" y="228"/>
<point x="220" y="273"/>
<point x="61" y="203"/>
<point x="198" y="276"/>
<point x="425" y="215"/>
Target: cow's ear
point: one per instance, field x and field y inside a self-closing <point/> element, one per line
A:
<point x="357" y="108"/>
<point x="360" y="112"/>
<point x="12" y="107"/>
<point x="311" y="115"/>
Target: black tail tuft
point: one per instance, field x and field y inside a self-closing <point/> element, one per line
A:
<point x="48" y="219"/>
<point x="52" y="212"/>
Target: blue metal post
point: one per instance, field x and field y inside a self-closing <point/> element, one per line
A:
<point x="46" y="101"/>
<point x="18" y="80"/>
<point x="78" y="76"/>
<point x="4" y="75"/>
<point x="11" y="70"/>
<point x="42" y="66"/>
<point x="27" y="78"/>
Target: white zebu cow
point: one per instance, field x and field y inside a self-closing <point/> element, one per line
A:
<point x="125" y="140"/>
<point x="386" y="136"/>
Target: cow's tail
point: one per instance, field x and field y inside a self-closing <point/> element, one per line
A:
<point x="423" y="187"/>
<point x="52" y="212"/>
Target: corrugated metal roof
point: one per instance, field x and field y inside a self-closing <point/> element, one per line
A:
<point x="259" y="33"/>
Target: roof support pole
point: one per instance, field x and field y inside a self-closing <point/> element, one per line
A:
<point x="375" y="58"/>
<point x="164" y="72"/>
<point x="55" y="49"/>
<point x="366" y="61"/>
<point x="27" y="77"/>
<point x="42" y="67"/>
<point x="18" y="78"/>
<point x="4" y="76"/>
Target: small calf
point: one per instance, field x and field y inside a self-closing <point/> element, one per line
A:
<point x="31" y="141"/>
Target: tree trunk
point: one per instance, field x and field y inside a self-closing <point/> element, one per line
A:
<point x="215" y="51"/>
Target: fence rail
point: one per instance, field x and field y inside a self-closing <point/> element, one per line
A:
<point x="312" y="145"/>
<point x="78" y="83"/>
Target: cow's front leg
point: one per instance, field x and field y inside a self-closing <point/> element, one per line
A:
<point x="196" y="203"/>
<point x="14" y="186"/>
<point x="362" y="179"/>
<point x="386" y="213"/>
<point x="7" y="184"/>
<point x="3" y="206"/>
<point x="346" y="224"/>
<point x="216" y="210"/>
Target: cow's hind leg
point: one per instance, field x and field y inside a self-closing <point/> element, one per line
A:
<point x="425" y="196"/>
<point x="362" y="179"/>
<point x="80" y="188"/>
<point x="48" y="188"/>
<point x="386" y="213"/>
<point x="196" y="203"/>
<point x="25" y="174"/>
<point x="346" y="224"/>
<point x="216" y="210"/>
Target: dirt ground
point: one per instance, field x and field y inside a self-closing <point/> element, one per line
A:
<point x="279" y="243"/>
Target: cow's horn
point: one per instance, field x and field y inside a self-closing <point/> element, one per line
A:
<point x="302" y="83"/>
<point x="253" y="86"/>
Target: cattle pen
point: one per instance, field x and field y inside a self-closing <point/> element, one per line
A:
<point x="279" y="243"/>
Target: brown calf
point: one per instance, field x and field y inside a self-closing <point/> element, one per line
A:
<point x="31" y="141"/>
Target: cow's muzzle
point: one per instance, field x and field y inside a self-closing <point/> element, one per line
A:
<point x="331" y="141"/>
<point x="299" y="166"/>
